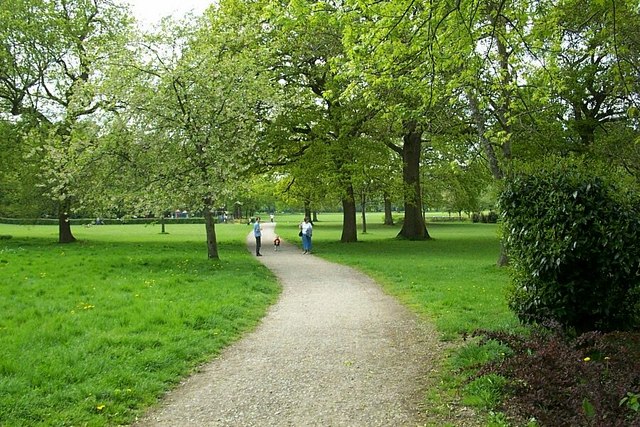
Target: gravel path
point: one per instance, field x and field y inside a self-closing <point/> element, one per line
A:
<point x="334" y="351"/>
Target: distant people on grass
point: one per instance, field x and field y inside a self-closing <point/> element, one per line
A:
<point x="181" y="214"/>
<point x="306" y="230"/>
<point x="271" y="217"/>
<point x="257" y="232"/>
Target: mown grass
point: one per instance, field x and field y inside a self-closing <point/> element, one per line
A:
<point x="91" y="333"/>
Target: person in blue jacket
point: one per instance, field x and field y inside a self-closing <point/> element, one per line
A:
<point x="257" y="232"/>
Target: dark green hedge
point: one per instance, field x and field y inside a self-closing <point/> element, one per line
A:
<point x="574" y="242"/>
<point x="85" y="221"/>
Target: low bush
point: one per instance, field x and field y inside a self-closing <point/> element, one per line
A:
<point x="572" y="237"/>
<point x="490" y="218"/>
<point x="104" y="221"/>
<point x="591" y="380"/>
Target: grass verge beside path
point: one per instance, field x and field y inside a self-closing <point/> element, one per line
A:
<point x="93" y="332"/>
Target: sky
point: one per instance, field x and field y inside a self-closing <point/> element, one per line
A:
<point x="149" y="12"/>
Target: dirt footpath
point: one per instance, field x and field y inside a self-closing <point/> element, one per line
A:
<point x="334" y="351"/>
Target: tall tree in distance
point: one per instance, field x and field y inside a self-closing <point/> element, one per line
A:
<point x="305" y="38"/>
<point x="55" y="56"/>
<point x="203" y="109"/>
<point x="396" y="64"/>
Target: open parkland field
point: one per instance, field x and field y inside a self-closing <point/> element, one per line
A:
<point x="94" y="332"/>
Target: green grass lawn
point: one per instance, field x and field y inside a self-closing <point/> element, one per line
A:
<point x="91" y="333"/>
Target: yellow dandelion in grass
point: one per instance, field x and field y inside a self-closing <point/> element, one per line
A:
<point x="587" y="359"/>
<point x="101" y="407"/>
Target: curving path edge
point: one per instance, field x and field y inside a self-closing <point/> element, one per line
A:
<point x="333" y="351"/>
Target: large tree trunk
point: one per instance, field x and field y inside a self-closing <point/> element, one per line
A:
<point x="64" y="223"/>
<point x="388" y="214"/>
<point x="307" y="209"/>
<point x="349" y="230"/>
<point x="212" y="243"/>
<point x="414" y="227"/>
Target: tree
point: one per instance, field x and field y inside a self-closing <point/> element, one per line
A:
<point x="308" y="182"/>
<point x="305" y="38"/>
<point x="592" y="80"/>
<point x="20" y="192"/>
<point x="203" y="113"/>
<point x="398" y="66"/>
<point x="588" y="78"/>
<point x="374" y="170"/>
<point x="52" y="72"/>
<point x="464" y="178"/>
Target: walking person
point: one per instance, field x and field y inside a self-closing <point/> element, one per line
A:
<point x="306" y="230"/>
<point x="257" y="232"/>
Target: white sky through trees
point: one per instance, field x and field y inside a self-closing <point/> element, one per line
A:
<point x="149" y="12"/>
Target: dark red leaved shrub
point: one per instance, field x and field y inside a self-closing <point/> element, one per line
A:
<point x="562" y="381"/>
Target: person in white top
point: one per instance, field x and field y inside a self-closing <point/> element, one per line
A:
<point x="306" y="230"/>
